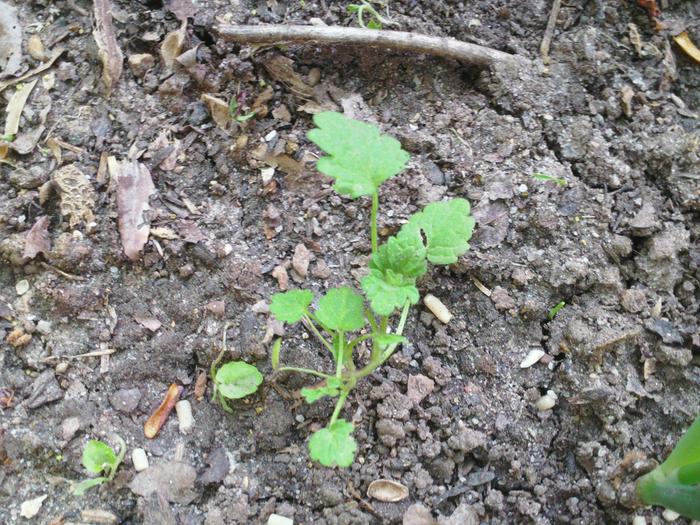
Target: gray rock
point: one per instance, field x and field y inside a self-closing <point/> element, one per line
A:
<point x="466" y="440"/>
<point x="125" y="400"/>
<point x="173" y="480"/>
<point x="463" y="515"/>
<point x="389" y="432"/>
<point x="418" y="514"/>
<point x="69" y="428"/>
<point x="45" y="389"/>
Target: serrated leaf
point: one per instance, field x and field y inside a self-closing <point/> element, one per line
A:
<point x="237" y="379"/>
<point x="447" y="226"/>
<point x="334" y="446"/>
<point x="98" y="456"/>
<point x="87" y="484"/>
<point x="290" y="307"/>
<point x="275" y="358"/>
<point x="388" y="291"/>
<point x="341" y="309"/>
<point x="359" y="157"/>
<point x="330" y="389"/>
<point x="388" y="339"/>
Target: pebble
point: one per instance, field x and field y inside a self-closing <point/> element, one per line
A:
<point x="276" y="519"/>
<point x="62" y="367"/>
<point x="22" y="287"/>
<point x="532" y="357"/>
<point x="437" y="307"/>
<point x="31" y="508"/>
<point x="670" y="515"/>
<point x="69" y="428"/>
<point x="546" y="402"/>
<point x="639" y="520"/>
<point x="139" y="459"/>
<point x="43" y="327"/>
<point x="125" y="400"/>
<point x="184" y="416"/>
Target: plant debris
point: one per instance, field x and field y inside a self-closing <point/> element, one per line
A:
<point x="76" y="193"/>
<point x="158" y="418"/>
<point x="38" y="240"/>
<point x="10" y="40"/>
<point x="686" y="44"/>
<point x="15" y="108"/>
<point x="111" y="56"/>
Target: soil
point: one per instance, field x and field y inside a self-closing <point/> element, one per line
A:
<point x="619" y="243"/>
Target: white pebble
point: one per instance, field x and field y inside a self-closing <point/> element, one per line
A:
<point x="522" y="188"/>
<point x="532" y="358"/>
<point x="22" y="287"/>
<point x="276" y="519"/>
<point x="436" y="306"/>
<point x="139" y="459"/>
<point x="267" y="174"/>
<point x="43" y="327"/>
<point x="184" y="416"/>
<point x="639" y="520"/>
<point x="546" y="402"/>
<point x="670" y="515"/>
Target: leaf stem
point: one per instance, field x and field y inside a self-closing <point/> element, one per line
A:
<point x="338" y="406"/>
<point x="303" y="371"/>
<point x="373" y="221"/>
<point x="212" y="369"/>
<point x="341" y="349"/>
<point x="308" y="322"/>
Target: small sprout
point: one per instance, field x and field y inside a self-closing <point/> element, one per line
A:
<point x="235" y="380"/>
<point x="360" y="159"/>
<point x="375" y="21"/>
<point x="100" y="458"/>
<point x="545" y="177"/>
<point x="7" y="138"/>
<point x="675" y="484"/>
<point x="555" y="310"/>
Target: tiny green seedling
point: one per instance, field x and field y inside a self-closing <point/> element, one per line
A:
<point x="360" y="159"/>
<point x="555" y="310"/>
<point x="234" y="380"/>
<point x="100" y="458"/>
<point x="234" y="111"/>
<point x="7" y="138"/>
<point x="375" y="19"/>
<point x="545" y="177"/>
<point x="675" y="484"/>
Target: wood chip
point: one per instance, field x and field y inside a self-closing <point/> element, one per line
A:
<point x="481" y="287"/>
<point x="158" y="418"/>
<point x="111" y="56"/>
<point x="172" y="44"/>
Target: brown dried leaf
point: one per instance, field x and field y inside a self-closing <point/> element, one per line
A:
<point x="687" y="45"/>
<point x="43" y="67"/>
<point x="106" y="39"/>
<point x="16" y="106"/>
<point x="218" y="109"/>
<point x="37" y="240"/>
<point x="26" y="142"/>
<point x="76" y="192"/>
<point x="10" y="40"/>
<point x="134" y="189"/>
<point x="281" y="69"/>
<point x="171" y="48"/>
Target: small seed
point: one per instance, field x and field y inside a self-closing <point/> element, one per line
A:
<point x="387" y="490"/>
<point x="184" y="416"/>
<point x="22" y="287"/>
<point x="436" y="306"/>
<point x="139" y="459"/>
<point x="546" y="402"/>
<point x="35" y="48"/>
<point x="639" y="520"/>
<point x="533" y="357"/>
<point x="670" y="515"/>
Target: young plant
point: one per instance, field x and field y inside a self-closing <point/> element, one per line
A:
<point x="360" y="159"/>
<point x="375" y="19"/>
<point x="555" y="310"/>
<point x="675" y="484"/>
<point x="100" y="458"/>
<point x="234" y="380"/>
<point x="545" y="177"/>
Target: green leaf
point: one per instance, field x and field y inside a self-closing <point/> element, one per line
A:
<point x="447" y="226"/>
<point x="330" y="389"/>
<point x="290" y="307"/>
<point x="87" y="484"/>
<point x="359" y="157"/>
<point x="98" y="456"/>
<point x="374" y="24"/>
<point x="237" y="379"/>
<point x="276" y="353"/>
<point x="334" y="445"/>
<point x="341" y="309"/>
<point x="689" y="474"/>
<point x="388" y="339"/>
<point x="389" y="291"/>
<point x="686" y="451"/>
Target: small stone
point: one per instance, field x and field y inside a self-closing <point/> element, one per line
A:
<point x="125" y="400"/>
<point x="69" y="428"/>
<point x="141" y="63"/>
<point x="267" y="174"/>
<point x="186" y="270"/>
<point x="139" y="459"/>
<point x="261" y="307"/>
<point x="22" y="287"/>
<point x="321" y="270"/>
<point x="280" y="273"/>
<point x="546" y="402"/>
<point x="43" y="327"/>
<point x="62" y="367"/>
<point x="217" y="308"/>
<point x="437" y="307"/>
<point x="532" y="357"/>
<point x="282" y="113"/>
<point x="419" y="386"/>
<point x="639" y="520"/>
<point x="463" y="515"/>
<point x="418" y="514"/>
<point x="501" y="299"/>
<point x="300" y="260"/>
<point x="633" y="300"/>
<point x="185" y="420"/>
<point x="677" y="356"/>
<point x="670" y="515"/>
<point x="31" y="508"/>
<point x="276" y="519"/>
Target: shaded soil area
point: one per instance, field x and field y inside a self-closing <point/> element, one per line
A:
<point x="452" y="416"/>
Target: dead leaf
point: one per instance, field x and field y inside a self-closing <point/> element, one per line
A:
<point x="218" y="109"/>
<point x="106" y="39"/>
<point x="171" y="48"/>
<point x="31" y="508"/>
<point x="686" y="44"/>
<point x="149" y="322"/>
<point x="281" y="69"/>
<point x="26" y="142"/>
<point x="10" y="40"/>
<point x="55" y="148"/>
<point x="16" y="106"/>
<point x="37" y="240"/>
<point x="76" y="192"/>
<point x="164" y="233"/>
<point x="43" y="67"/>
<point x="134" y="189"/>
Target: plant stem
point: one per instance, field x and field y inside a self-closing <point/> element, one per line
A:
<point x="212" y="369"/>
<point x="303" y="371"/>
<point x="312" y="327"/>
<point x="339" y="360"/>
<point x="373" y="221"/>
<point x="338" y="406"/>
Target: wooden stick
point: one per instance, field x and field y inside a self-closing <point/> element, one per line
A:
<point x="549" y="31"/>
<point x="414" y="42"/>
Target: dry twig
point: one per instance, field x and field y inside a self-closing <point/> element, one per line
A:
<point x="431" y="45"/>
<point x="549" y="31"/>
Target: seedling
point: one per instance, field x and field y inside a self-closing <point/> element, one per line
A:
<point x="234" y="380"/>
<point x="360" y="159"/>
<point x="375" y="20"/>
<point x="555" y="310"/>
<point x="545" y="177"/>
<point x="675" y="484"/>
<point x="100" y="458"/>
<point x="234" y="111"/>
